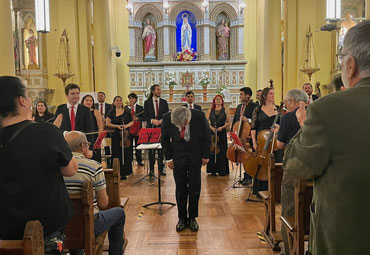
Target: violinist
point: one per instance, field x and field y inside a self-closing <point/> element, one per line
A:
<point x="219" y="120"/>
<point x="136" y="111"/>
<point x="119" y="119"/>
<point x="244" y="111"/>
<point x="289" y="126"/>
<point x="262" y="118"/>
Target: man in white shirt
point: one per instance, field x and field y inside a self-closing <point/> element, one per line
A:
<point x="190" y="98"/>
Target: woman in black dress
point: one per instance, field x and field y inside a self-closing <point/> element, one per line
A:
<point x="119" y="118"/>
<point x="219" y="119"/>
<point x="42" y="113"/>
<point x="97" y="119"/>
<point x="262" y="118"/>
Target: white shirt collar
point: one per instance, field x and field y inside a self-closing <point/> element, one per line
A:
<point x="69" y="106"/>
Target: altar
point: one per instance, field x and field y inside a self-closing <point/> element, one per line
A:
<point x="187" y="45"/>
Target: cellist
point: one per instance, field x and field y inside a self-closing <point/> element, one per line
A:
<point x="244" y="111"/>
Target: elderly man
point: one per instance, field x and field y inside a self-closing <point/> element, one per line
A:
<point x="289" y="126"/>
<point x="90" y="170"/>
<point x="332" y="148"/>
<point x="186" y="140"/>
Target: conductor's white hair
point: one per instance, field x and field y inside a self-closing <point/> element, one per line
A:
<point x="180" y="115"/>
<point x="297" y="95"/>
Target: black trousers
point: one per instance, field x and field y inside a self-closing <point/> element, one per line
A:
<point x="139" y="158"/>
<point x="152" y="160"/>
<point x="188" y="185"/>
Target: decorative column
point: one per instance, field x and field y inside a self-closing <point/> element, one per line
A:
<point x="212" y="43"/>
<point x="166" y="33"/>
<point x="7" y="67"/>
<point x="102" y="49"/>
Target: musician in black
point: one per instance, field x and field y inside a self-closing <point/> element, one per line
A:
<point x="154" y="109"/>
<point x="244" y="111"/>
<point x="190" y="98"/>
<point x="118" y="119"/>
<point x="136" y="111"/>
<point x="42" y="113"/>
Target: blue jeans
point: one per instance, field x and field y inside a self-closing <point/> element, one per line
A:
<point x="112" y="220"/>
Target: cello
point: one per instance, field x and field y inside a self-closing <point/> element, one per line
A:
<point x="257" y="164"/>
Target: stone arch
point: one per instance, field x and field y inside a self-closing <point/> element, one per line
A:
<point x="148" y="8"/>
<point x="186" y="6"/>
<point x="226" y="8"/>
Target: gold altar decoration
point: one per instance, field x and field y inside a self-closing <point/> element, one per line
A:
<point x="63" y="65"/>
<point x="187" y="79"/>
<point x="310" y="63"/>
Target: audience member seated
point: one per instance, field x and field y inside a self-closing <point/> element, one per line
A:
<point x="289" y="126"/>
<point x="112" y="219"/>
<point x="34" y="157"/>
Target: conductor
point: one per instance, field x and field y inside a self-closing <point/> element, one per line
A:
<point x="186" y="140"/>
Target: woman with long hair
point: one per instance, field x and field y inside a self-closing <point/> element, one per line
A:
<point x="42" y="113"/>
<point x="119" y="118"/>
<point x="88" y="101"/>
<point x="262" y="118"/>
<point x="219" y="120"/>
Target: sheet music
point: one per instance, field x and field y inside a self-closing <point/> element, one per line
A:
<point x="149" y="146"/>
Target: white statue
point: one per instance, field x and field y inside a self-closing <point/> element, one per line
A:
<point x="185" y="33"/>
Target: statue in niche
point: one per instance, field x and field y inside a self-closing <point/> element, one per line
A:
<point x="31" y="44"/>
<point x="185" y="33"/>
<point x="223" y="34"/>
<point x="149" y="38"/>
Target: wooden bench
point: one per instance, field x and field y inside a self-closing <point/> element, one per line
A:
<point x="270" y="198"/>
<point x="79" y="232"/>
<point x="32" y="243"/>
<point x="298" y="226"/>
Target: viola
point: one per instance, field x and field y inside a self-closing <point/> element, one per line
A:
<point x="215" y="143"/>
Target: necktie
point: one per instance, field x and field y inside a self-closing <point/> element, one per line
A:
<point x="156" y="108"/>
<point x="73" y="123"/>
<point x="182" y="133"/>
<point x="132" y="111"/>
<point x="101" y="109"/>
<point x="242" y="110"/>
<point x="190" y="106"/>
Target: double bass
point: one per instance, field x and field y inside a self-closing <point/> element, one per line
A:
<point x="257" y="164"/>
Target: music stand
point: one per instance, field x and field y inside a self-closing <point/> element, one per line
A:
<point x="149" y="139"/>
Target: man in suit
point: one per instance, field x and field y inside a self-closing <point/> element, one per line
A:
<point x="136" y="113"/>
<point x="258" y="97"/>
<point x="190" y="101"/>
<point x="154" y="109"/>
<point x="244" y="111"/>
<point x="102" y="106"/>
<point x="307" y="87"/>
<point x="332" y="148"/>
<point x="186" y="140"/>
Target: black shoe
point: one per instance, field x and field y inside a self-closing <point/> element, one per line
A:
<point x="181" y="224"/>
<point x="163" y="173"/>
<point x="213" y="174"/>
<point x="193" y="225"/>
<point x="140" y="164"/>
<point x="246" y="182"/>
<point x="123" y="177"/>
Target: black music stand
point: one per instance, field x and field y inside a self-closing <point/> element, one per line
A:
<point x="147" y="137"/>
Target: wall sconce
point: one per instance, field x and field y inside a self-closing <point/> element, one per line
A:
<point x="333" y="9"/>
<point x="129" y="9"/>
<point x="242" y="7"/>
<point x="42" y="13"/>
<point x="166" y="7"/>
<point x="205" y="5"/>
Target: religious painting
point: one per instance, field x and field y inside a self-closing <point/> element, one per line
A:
<point x="186" y="32"/>
<point x="223" y="32"/>
<point x="149" y="38"/>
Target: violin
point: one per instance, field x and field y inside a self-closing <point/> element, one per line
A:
<point x="215" y="143"/>
<point x="124" y="137"/>
<point x="242" y="129"/>
<point x="257" y="164"/>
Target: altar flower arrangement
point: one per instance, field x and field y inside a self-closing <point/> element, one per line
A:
<point x="221" y="89"/>
<point x="171" y="80"/>
<point x="204" y="80"/>
<point x="186" y="55"/>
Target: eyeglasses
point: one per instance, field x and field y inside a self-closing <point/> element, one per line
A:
<point x="87" y="143"/>
<point x="341" y="57"/>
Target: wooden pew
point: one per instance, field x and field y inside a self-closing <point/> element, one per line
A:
<point x="79" y="232"/>
<point x="32" y="243"/>
<point x="298" y="226"/>
<point x="270" y="198"/>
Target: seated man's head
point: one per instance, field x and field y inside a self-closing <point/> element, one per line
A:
<point x="180" y="116"/>
<point x="77" y="142"/>
<point x="293" y="97"/>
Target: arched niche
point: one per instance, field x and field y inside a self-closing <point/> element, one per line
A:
<point x="30" y="43"/>
<point x="226" y="8"/>
<point x="186" y="6"/>
<point x="180" y="35"/>
<point x="148" y="8"/>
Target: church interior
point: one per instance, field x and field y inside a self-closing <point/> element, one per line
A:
<point x="210" y="47"/>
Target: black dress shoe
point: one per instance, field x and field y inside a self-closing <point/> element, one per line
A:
<point x="181" y="224"/>
<point x="194" y="225"/>
<point x="123" y="177"/>
<point x="140" y="164"/>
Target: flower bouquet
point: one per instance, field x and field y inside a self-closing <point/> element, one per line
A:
<point x="204" y="80"/>
<point x="186" y="55"/>
<point x="171" y="80"/>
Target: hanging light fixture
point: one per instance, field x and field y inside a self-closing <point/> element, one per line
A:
<point x="333" y="9"/>
<point x="42" y="16"/>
